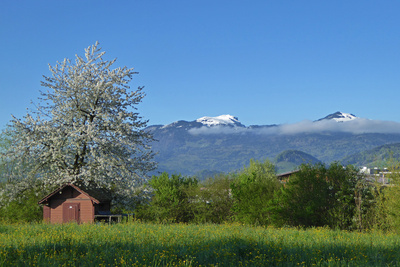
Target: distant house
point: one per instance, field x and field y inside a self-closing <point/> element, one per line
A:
<point x="284" y="177"/>
<point x="377" y="175"/>
<point x="71" y="203"/>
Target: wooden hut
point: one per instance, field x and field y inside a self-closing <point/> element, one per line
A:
<point x="71" y="203"/>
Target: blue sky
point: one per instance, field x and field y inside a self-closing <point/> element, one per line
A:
<point x="266" y="62"/>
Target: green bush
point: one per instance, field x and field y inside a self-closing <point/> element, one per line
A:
<point x="170" y="201"/>
<point x="252" y="191"/>
<point x="334" y="196"/>
<point x="24" y="209"/>
<point x="212" y="200"/>
<point x="387" y="207"/>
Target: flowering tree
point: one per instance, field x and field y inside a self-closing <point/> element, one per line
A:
<point x="85" y="128"/>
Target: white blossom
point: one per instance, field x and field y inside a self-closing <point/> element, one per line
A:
<point x="85" y="129"/>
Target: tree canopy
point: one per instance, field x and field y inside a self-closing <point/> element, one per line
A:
<point x="85" y="128"/>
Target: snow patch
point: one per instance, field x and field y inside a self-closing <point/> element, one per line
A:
<point x="344" y="117"/>
<point x="219" y="120"/>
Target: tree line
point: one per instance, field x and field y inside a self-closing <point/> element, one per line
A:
<point x="334" y="196"/>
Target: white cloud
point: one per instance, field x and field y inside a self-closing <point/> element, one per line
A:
<point x="356" y="126"/>
<point x="219" y="130"/>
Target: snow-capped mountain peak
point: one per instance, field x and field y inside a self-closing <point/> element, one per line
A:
<point x="345" y="117"/>
<point x="340" y="117"/>
<point x="220" y="120"/>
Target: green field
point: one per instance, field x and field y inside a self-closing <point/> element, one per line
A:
<point x="139" y="244"/>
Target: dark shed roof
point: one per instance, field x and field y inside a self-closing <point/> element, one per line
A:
<point x="98" y="195"/>
<point x="286" y="174"/>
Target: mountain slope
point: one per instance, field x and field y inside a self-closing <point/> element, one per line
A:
<point x="376" y="157"/>
<point x="224" y="144"/>
<point x="289" y="160"/>
<point x="296" y="157"/>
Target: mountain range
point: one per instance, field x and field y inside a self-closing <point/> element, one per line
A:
<point x="223" y="144"/>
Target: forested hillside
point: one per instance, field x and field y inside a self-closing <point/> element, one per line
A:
<point x="291" y="159"/>
<point x="182" y="152"/>
<point x="380" y="156"/>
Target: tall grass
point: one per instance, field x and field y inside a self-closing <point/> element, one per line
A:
<point x="139" y="244"/>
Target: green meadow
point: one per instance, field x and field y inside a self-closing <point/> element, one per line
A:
<point x="143" y="244"/>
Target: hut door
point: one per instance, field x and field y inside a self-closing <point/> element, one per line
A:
<point x="71" y="212"/>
